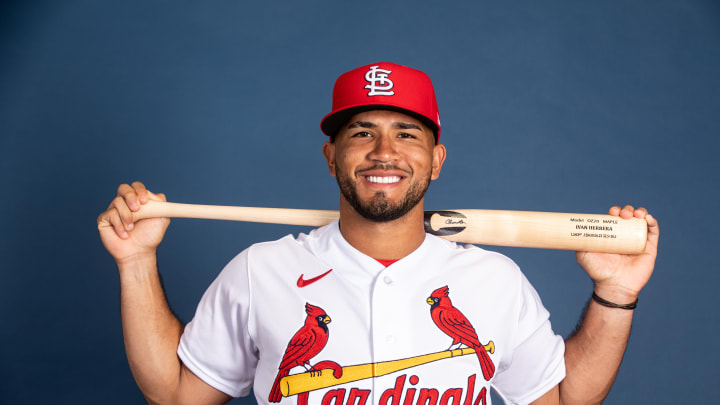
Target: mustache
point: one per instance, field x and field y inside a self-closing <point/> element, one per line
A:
<point x="382" y="166"/>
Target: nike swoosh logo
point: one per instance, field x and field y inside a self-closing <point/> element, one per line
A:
<point x="304" y="283"/>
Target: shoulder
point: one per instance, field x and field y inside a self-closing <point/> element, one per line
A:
<point x="263" y="264"/>
<point x="261" y="254"/>
<point x="474" y="257"/>
<point x="288" y="242"/>
<point x="302" y="244"/>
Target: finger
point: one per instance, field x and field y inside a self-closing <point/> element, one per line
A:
<point x="653" y="234"/>
<point x="627" y="212"/>
<point x="614" y="210"/>
<point x="652" y="222"/>
<point x="112" y="218"/>
<point x="124" y="212"/>
<point x="653" y="227"/>
<point x="102" y="220"/>
<point x="640" y="213"/>
<point x="117" y="224"/>
<point x="141" y="191"/>
<point x="131" y="198"/>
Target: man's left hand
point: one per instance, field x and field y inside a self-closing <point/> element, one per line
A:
<point x="619" y="278"/>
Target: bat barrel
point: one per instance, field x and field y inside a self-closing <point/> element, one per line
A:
<point x="547" y="230"/>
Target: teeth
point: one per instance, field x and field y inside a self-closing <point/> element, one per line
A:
<point x="384" y="180"/>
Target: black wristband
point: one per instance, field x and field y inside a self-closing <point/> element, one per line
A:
<point x="612" y="304"/>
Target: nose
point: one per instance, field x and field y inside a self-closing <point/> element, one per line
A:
<point x="384" y="150"/>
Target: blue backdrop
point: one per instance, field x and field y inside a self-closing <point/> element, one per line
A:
<point x="548" y="106"/>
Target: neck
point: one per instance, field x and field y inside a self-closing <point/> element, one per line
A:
<point x="383" y="240"/>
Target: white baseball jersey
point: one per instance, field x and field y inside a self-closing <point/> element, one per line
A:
<point x="381" y="335"/>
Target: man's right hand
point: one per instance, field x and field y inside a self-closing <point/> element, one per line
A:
<point x="127" y="240"/>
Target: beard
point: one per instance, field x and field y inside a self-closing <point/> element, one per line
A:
<point x="378" y="208"/>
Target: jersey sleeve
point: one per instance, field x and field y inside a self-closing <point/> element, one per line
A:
<point x="537" y="361"/>
<point x="216" y="345"/>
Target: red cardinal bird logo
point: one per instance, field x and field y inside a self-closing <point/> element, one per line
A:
<point x="451" y="321"/>
<point x="304" y="345"/>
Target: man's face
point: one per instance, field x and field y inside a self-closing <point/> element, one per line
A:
<point x="383" y="162"/>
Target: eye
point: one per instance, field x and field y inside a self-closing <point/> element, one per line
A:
<point x="405" y="135"/>
<point x="362" y="134"/>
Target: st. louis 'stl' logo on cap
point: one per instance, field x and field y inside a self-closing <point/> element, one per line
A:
<point x="380" y="84"/>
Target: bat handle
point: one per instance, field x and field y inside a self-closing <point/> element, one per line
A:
<point x="154" y="209"/>
<point x="160" y="209"/>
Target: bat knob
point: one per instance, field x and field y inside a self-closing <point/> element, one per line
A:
<point x="450" y="223"/>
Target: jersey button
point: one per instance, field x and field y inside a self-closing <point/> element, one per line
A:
<point x="387" y="280"/>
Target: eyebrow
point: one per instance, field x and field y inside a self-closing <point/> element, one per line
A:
<point x="406" y="125"/>
<point x="362" y="124"/>
<point x="368" y="124"/>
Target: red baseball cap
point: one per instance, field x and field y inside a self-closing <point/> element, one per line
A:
<point x="383" y="86"/>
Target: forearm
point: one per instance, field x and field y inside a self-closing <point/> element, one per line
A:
<point x="594" y="353"/>
<point x="150" y="330"/>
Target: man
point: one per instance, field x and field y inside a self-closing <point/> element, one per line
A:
<point x="265" y="322"/>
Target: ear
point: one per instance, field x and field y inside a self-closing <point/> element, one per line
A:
<point x="439" y="154"/>
<point x="328" y="151"/>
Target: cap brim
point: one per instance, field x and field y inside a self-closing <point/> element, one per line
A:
<point x="330" y="125"/>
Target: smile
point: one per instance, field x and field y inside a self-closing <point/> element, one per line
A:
<point x="383" y="179"/>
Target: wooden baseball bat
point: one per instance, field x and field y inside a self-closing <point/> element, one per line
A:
<point x="303" y="382"/>
<point x="546" y="230"/>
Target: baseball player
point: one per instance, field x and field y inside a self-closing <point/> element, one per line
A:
<point x="370" y="309"/>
